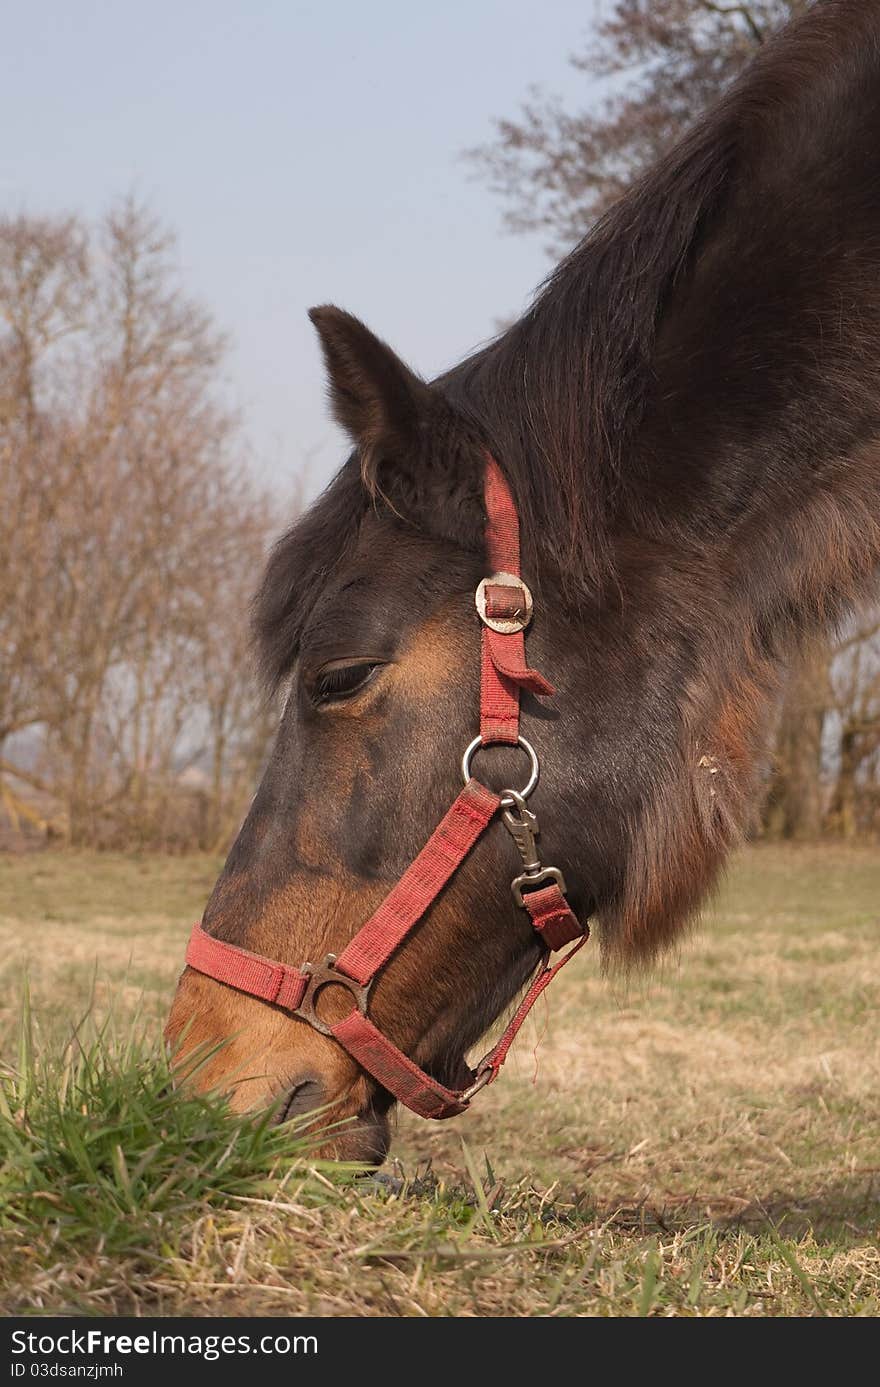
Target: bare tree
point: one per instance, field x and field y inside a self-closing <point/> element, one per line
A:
<point x="795" y="802"/>
<point x="44" y="285"/>
<point x="43" y="292"/>
<point x="130" y="534"/>
<point x="855" y="678"/>
<point x="652" y="66"/>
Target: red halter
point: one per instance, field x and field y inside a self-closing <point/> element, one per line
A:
<point x="505" y="607"/>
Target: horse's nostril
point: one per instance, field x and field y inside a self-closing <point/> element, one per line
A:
<point x="302" y="1096"/>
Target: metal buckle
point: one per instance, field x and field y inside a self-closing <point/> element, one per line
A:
<point x="484" y="1075"/>
<point x="505" y="625"/>
<point x="326" y="974"/>
<point x="533" y="879"/>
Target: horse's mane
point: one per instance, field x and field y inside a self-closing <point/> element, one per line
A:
<point x="562" y="392"/>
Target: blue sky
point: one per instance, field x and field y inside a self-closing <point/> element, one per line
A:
<point x="304" y="153"/>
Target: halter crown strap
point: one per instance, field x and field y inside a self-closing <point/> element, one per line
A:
<point x="505" y="607"/>
<point x="503" y="655"/>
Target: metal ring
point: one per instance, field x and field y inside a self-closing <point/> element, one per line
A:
<point x="474" y="746"/>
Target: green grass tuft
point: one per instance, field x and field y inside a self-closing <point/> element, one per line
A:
<point x="99" y="1152"/>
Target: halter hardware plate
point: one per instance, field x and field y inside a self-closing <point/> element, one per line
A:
<point x="326" y="974"/>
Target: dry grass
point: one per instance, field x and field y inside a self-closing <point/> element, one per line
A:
<point x="703" y="1142"/>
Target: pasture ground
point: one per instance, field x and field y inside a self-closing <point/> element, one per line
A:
<point x="703" y="1142"/>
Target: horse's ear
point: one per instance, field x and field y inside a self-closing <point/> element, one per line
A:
<point x="414" y="453"/>
<point x="377" y="399"/>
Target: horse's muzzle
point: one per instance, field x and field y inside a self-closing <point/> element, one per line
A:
<point x="363" y="1139"/>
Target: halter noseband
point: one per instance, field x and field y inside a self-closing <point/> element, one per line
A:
<point x="504" y="604"/>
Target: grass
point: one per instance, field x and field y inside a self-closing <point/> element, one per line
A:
<point x="705" y="1142"/>
<point x="97" y="1152"/>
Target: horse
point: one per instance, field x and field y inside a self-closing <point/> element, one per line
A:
<point x="686" y="425"/>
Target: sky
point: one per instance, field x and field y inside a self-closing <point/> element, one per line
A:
<point x="303" y="153"/>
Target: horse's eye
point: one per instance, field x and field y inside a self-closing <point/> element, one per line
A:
<point x="341" y="681"/>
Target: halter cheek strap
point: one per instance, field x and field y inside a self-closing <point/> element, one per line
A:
<point x="504" y="604"/>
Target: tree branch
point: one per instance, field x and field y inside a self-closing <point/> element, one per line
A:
<point x="743" y="10"/>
